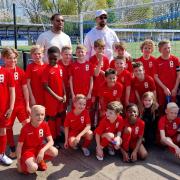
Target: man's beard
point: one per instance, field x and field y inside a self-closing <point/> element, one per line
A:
<point x="103" y="24"/>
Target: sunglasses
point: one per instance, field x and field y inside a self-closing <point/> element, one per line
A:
<point x="103" y="17"/>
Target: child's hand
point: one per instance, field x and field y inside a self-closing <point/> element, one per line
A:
<point x="28" y="109"/>
<point x="118" y="142"/>
<point x="77" y="139"/>
<point x="134" y="156"/>
<point x="40" y="156"/>
<point x="18" y="166"/>
<point x="125" y="157"/>
<point x="99" y="151"/>
<point x="100" y="56"/>
<point x="177" y="152"/>
<point x="167" y="92"/>
<point x="66" y="145"/>
<point x="59" y="98"/>
<point x="8" y="113"/>
<point x="174" y="92"/>
<point x="64" y="98"/>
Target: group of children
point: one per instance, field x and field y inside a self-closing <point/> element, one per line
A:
<point x="128" y="105"/>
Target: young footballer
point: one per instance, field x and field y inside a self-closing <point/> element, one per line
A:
<point x="34" y="73"/>
<point x="132" y="147"/>
<point x="35" y="143"/>
<point x="77" y="126"/>
<point x="7" y="100"/>
<point x="108" y="133"/>
<point x="169" y="127"/>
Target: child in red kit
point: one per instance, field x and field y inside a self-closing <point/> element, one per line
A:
<point x="21" y="108"/>
<point x="169" y="129"/>
<point x="124" y="77"/>
<point x="7" y="100"/>
<point x="108" y="132"/>
<point x="110" y="90"/>
<point x="120" y="50"/>
<point x="32" y="149"/>
<point x="81" y="75"/>
<point x="34" y="74"/>
<point x="100" y="64"/>
<point x="166" y="74"/>
<point x="132" y="137"/>
<point x="142" y="83"/>
<point x="77" y="126"/>
<point x="147" y="59"/>
<point x="54" y="93"/>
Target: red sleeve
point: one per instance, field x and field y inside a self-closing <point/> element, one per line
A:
<point x="100" y="129"/>
<point x="46" y="130"/>
<point x="10" y="78"/>
<point x="128" y="79"/>
<point x="121" y="124"/>
<point x="71" y="70"/>
<point x="156" y="66"/>
<point x="28" y="71"/>
<point x="106" y="63"/>
<point x="67" y="120"/>
<point x="91" y="69"/>
<point x="161" y="124"/>
<point x="24" y="80"/>
<point x="87" y="118"/>
<point x="44" y="78"/>
<point x="152" y="84"/>
<point x="120" y="90"/>
<point x="22" y="135"/>
<point x="112" y="64"/>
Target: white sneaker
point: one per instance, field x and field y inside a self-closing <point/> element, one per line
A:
<point x="99" y="158"/>
<point x="5" y="160"/>
<point x="111" y="151"/>
<point x="86" y="151"/>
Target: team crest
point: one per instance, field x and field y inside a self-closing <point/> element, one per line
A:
<point x="82" y="119"/>
<point x="87" y="67"/>
<point x="146" y="85"/>
<point x="171" y="63"/>
<point x="16" y="76"/>
<point x="61" y="73"/>
<point x="174" y="125"/>
<point x="41" y="133"/>
<point x="114" y="92"/>
<point x="136" y="130"/>
<point x="1" y="78"/>
<point x="150" y="64"/>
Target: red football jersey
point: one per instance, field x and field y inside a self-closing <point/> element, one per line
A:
<point x="20" y="80"/>
<point x="81" y="75"/>
<point x="105" y="126"/>
<point x="170" y="128"/>
<point x="6" y="81"/>
<point x="110" y="94"/>
<point x="167" y="71"/>
<point x="76" y="123"/>
<point x="137" y="129"/>
<point x="141" y="87"/>
<point x="34" y="72"/>
<point x="149" y="65"/>
<point x="98" y="80"/>
<point x="33" y="137"/>
<point x="125" y="78"/>
<point x="129" y="66"/>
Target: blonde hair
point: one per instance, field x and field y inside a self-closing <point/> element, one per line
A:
<point x="121" y="45"/>
<point x="64" y="48"/>
<point x="81" y="46"/>
<point x="78" y="97"/>
<point x="172" y="105"/>
<point x="7" y="51"/>
<point x="147" y="42"/>
<point x="163" y="42"/>
<point x="36" y="48"/>
<point x="120" y="58"/>
<point x="115" y="106"/>
<point x="36" y="108"/>
<point x="99" y="43"/>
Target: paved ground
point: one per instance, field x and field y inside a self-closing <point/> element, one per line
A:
<point x="71" y="164"/>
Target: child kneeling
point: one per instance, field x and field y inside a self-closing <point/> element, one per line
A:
<point x="108" y="133"/>
<point x="31" y="150"/>
<point x="77" y="126"/>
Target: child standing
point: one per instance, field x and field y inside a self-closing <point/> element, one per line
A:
<point x="150" y="117"/>
<point x="21" y="108"/>
<point x="167" y="74"/>
<point x="54" y="93"/>
<point x="77" y="126"/>
<point x="7" y="100"/>
<point x="108" y="133"/>
<point x="32" y="149"/>
<point x="169" y="129"/>
<point x="132" y="137"/>
<point x="147" y="59"/>
<point x="34" y="74"/>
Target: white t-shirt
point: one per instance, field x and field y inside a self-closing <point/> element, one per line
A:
<point x="107" y="35"/>
<point x="49" y="39"/>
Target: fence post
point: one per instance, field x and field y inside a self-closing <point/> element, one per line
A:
<point x="25" y="59"/>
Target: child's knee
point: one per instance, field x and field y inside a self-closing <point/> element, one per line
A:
<point x="108" y="135"/>
<point x="89" y="135"/>
<point x="143" y="155"/>
<point x="32" y="167"/>
<point x="127" y="130"/>
<point x="54" y="152"/>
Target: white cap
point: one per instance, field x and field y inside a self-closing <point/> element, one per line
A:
<point x="100" y="12"/>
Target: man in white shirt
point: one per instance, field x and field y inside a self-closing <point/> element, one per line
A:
<point x="55" y="36"/>
<point x="101" y="31"/>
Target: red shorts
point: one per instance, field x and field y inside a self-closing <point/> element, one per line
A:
<point x="4" y="122"/>
<point x="19" y="112"/>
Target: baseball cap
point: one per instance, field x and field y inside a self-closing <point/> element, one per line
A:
<point x="100" y="12"/>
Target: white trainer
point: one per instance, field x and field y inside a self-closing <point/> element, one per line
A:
<point x="5" y="160"/>
<point x="111" y="151"/>
<point x="86" y="151"/>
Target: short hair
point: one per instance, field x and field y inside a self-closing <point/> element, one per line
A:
<point x="120" y="58"/>
<point x="130" y="105"/>
<point x="53" y="49"/>
<point x="110" y="71"/>
<point x="7" y="51"/>
<point x="115" y="106"/>
<point x="99" y="43"/>
<point x="137" y="65"/>
<point x="163" y="42"/>
<point x="64" y="48"/>
<point x="78" y="97"/>
<point x="172" y="105"/>
<point x="81" y="46"/>
<point x="147" y="42"/>
<point x="120" y="44"/>
<point x="36" y="48"/>
<point x="54" y="15"/>
<point x="37" y="107"/>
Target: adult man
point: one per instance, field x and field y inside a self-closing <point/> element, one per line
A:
<point x="101" y="31"/>
<point x="55" y="36"/>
